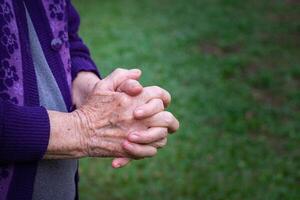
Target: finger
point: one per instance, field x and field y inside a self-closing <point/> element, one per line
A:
<point x="146" y="110"/>
<point x="149" y="136"/>
<point x="155" y="92"/>
<point x="118" y="76"/>
<point x="120" y="162"/>
<point x="130" y="87"/>
<point x="138" y="151"/>
<point x="159" y="144"/>
<point x="163" y="119"/>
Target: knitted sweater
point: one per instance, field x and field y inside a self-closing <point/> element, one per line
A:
<point x="24" y="125"/>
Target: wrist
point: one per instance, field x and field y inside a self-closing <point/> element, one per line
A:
<point x="82" y="128"/>
<point x="82" y="85"/>
<point x="65" y="137"/>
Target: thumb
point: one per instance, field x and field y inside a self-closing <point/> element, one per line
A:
<point x="130" y="87"/>
<point x="118" y="76"/>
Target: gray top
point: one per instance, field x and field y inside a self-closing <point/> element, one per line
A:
<point x="55" y="179"/>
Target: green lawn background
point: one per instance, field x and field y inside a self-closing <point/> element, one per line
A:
<point x="233" y="69"/>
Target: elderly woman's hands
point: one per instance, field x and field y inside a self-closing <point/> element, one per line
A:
<point x="125" y="81"/>
<point x="113" y="123"/>
<point x="107" y="118"/>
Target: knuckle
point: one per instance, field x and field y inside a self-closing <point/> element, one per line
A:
<point x="159" y="102"/>
<point x="159" y="91"/>
<point x="148" y="89"/>
<point x="116" y="71"/>
<point x="119" y="70"/>
<point x="99" y="86"/>
<point x="164" y="132"/>
<point x="161" y="133"/>
<point x="124" y="100"/>
<point x="161" y="105"/>
<point x="99" y="83"/>
<point x="132" y="150"/>
<point x="156" y="89"/>
<point x="168" y="117"/>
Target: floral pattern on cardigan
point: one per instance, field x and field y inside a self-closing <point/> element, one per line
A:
<point x="56" y="13"/>
<point x="27" y="142"/>
<point x="10" y="59"/>
<point x="10" y="76"/>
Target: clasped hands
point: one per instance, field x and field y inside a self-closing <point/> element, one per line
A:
<point x="119" y="118"/>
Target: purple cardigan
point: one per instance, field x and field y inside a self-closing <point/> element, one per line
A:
<point x="24" y="125"/>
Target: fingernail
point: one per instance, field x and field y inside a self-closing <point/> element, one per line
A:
<point x="139" y="112"/>
<point x="137" y="71"/>
<point x="133" y="137"/>
<point x="117" y="165"/>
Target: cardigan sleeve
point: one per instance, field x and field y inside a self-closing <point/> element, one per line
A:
<point x="24" y="132"/>
<point x="80" y="55"/>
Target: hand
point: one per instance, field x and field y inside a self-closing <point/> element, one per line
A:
<point x="63" y="142"/>
<point x="154" y="136"/>
<point x="120" y="79"/>
<point x="107" y="118"/>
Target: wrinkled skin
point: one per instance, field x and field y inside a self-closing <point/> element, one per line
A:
<point x="108" y="117"/>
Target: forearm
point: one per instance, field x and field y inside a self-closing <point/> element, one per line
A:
<point x="64" y="141"/>
<point x="86" y="132"/>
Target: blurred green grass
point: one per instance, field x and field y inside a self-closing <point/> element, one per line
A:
<point x="233" y="68"/>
